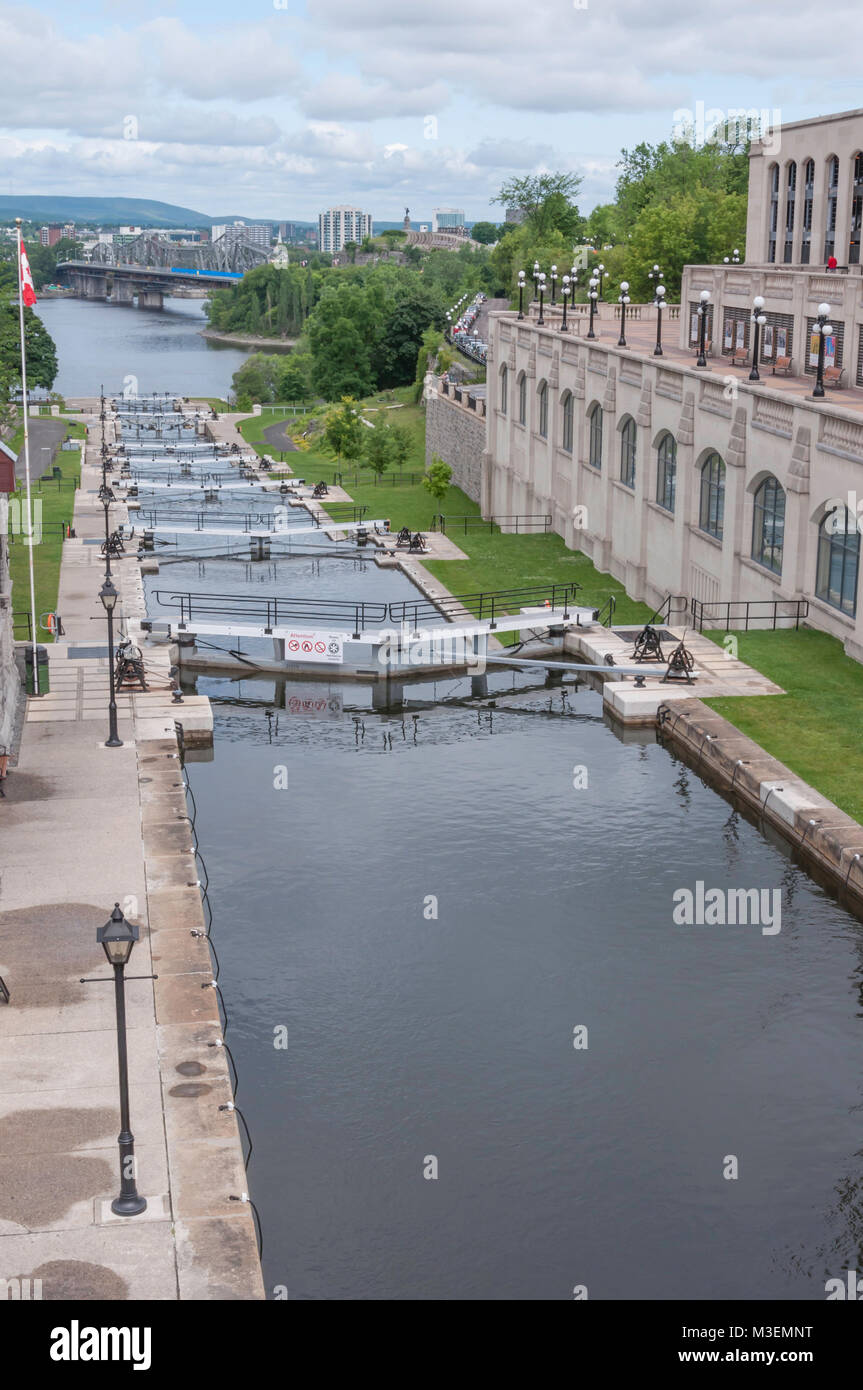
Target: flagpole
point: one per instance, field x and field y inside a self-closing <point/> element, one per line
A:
<point x="29" y="531"/>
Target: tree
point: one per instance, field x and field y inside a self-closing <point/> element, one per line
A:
<point x="343" y="430"/>
<point x="437" y="478"/>
<point x="351" y="248"/>
<point x="40" y="348"/>
<point x="547" y="200"/>
<point x="378" y="448"/>
<point x="484" y="232"/>
<point x="401" y="444"/>
<point x="416" y="308"/>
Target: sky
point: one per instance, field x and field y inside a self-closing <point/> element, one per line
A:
<point x="279" y="108"/>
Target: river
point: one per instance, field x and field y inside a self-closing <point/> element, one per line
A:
<point x="104" y="344"/>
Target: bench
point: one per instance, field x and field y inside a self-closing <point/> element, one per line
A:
<point x="833" y="376"/>
<point x="739" y="358"/>
<point x="783" y="365"/>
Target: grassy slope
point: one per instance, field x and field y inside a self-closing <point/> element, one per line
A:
<point x="58" y="504"/>
<point x="817" y="726"/>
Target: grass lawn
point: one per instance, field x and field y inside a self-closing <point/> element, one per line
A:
<point x="58" y="505"/>
<point x="816" y="728"/>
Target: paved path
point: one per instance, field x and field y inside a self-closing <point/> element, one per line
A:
<point x="45" y="433"/>
<point x="84" y="826"/>
<point x="277" y="438"/>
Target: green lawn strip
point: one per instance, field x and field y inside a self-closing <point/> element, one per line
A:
<point x="816" y="728"/>
<point x="58" y="505"/>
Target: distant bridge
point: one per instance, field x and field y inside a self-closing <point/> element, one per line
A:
<point x="149" y="284"/>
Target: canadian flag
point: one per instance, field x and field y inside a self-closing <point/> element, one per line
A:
<point x="28" y="293"/>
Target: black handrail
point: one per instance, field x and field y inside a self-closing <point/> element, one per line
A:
<point x="698" y="607"/>
<point x="520" y="522"/>
<point x="17" y="619"/>
<point x="487" y="605"/>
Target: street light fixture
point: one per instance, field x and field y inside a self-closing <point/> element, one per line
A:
<point x="623" y="300"/>
<point x="553" y="283"/>
<point x="117" y="938"/>
<point x="108" y="594"/>
<point x="701" y="360"/>
<point x="520" y="294"/>
<point x="541" y="320"/>
<point x="592" y="296"/>
<point x="600" y="274"/>
<point x="656" y="276"/>
<point x="564" y="327"/>
<point x="536" y="279"/>
<point x="660" y="305"/>
<point x="823" y="329"/>
<point x="759" y="320"/>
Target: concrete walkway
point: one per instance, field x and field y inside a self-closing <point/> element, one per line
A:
<point x="84" y="826"/>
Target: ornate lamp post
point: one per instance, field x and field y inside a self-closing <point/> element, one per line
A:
<point x="541" y="282"/>
<point x="623" y="300"/>
<point x="759" y="320"/>
<point x="520" y="294"/>
<point x="600" y="274"/>
<point x="536" y="279"/>
<point x="592" y="296"/>
<point x="701" y="359"/>
<point x="106" y="497"/>
<point x="660" y="305"/>
<point x="655" y="276"/>
<point x="117" y="938"/>
<point x="564" y="328"/>
<point x="823" y="330"/>
<point x="108" y="594"/>
<point x="553" y="283"/>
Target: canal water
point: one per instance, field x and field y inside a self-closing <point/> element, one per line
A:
<point x="104" y="344"/>
<point x="431" y="905"/>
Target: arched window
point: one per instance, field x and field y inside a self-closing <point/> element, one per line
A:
<point x="504" y="382"/>
<point x="712" y="512"/>
<point x="838" y="561"/>
<point x="832" y="201"/>
<point x="568" y="402"/>
<point x="856" y="211"/>
<point x="774" y="211"/>
<point x="666" y="472"/>
<point x="522" y="398"/>
<point x="594" y="457"/>
<point x="543" y="409"/>
<point x="627" y="452"/>
<point x="768" y="525"/>
<point x="808" y="200"/>
<point x="790" y="198"/>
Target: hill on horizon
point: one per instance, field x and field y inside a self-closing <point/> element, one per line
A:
<point x="110" y="212"/>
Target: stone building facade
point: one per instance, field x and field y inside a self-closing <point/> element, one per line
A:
<point x="674" y="481"/>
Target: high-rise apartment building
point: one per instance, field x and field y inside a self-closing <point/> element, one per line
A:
<point x="340" y="224"/>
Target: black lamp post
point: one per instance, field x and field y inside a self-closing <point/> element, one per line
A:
<point x="536" y="279"/>
<point x="656" y="276"/>
<point x="108" y="594"/>
<point x="623" y="300"/>
<point x="520" y="294"/>
<point x="823" y="329"/>
<point x="117" y="938"/>
<point x="701" y="359"/>
<point x="592" y="297"/>
<point x="541" y="282"/>
<point x="564" y="327"/>
<point x="553" y="283"/>
<point x="758" y="322"/>
<point x="660" y="305"/>
<point x="600" y="273"/>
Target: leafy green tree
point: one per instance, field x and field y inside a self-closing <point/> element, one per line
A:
<point x="547" y="200"/>
<point x="415" y="309"/>
<point x="484" y="232"/>
<point x="351" y="248"/>
<point x="293" y="378"/>
<point x="437" y="478"/>
<point x="401" y="443"/>
<point x="378" y="445"/>
<point x="343" y="429"/>
<point x="40" y="349"/>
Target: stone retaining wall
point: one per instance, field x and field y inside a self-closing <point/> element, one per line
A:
<point x="457" y="435"/>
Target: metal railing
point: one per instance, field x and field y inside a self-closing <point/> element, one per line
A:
<point x="22" y="627"/>
<point x="520" y="524"/>
<point x="605" y="613"/>
<point x="274" y="611"/>
<point x="748" y="612"/>
<point x="386" y="479"/>
<point x="245" y="521"/>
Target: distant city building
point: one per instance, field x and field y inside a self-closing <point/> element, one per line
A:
<point x="258" y="234"/>
<point x="49" y="236"/>
<point x="340" y="224"/>
<point x="447" y="219"/>
<point x="69" y="231"/>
